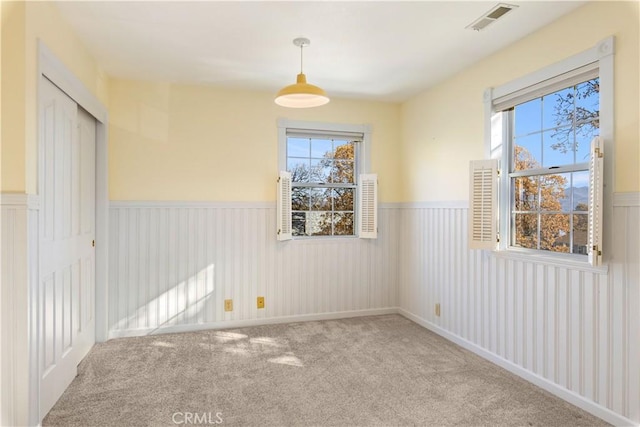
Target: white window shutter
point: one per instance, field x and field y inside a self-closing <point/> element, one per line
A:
<point x="284" y="206"/>
<point x="368" y="206"/>
<point x="594" y="248"/>
<point x="483" y="204"/>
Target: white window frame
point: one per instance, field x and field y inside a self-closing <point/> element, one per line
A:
<point x="600" y="56"/>
<point x="362" y="166"/>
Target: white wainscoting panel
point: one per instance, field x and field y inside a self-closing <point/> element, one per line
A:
<point x="573" y="331"/>
<point x="14" y="295"/>
<point x="173" y="264"/>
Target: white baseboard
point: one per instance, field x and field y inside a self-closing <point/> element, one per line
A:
<point x="553" y="388"/>
<point x="249" y="322"/>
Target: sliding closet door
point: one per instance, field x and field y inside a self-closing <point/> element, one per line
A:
<point x="67" y="233"/>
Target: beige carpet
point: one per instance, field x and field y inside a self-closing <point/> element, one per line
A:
<point x="382" y="370"/>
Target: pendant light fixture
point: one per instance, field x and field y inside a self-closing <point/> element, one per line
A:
<point x="301" y="94"/>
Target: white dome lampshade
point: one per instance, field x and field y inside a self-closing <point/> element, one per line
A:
<point x="301" y="94"/>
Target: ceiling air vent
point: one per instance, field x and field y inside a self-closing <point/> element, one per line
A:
<point x="494" y="14"/>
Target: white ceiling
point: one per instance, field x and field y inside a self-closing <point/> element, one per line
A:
<point x="365" y="49"/>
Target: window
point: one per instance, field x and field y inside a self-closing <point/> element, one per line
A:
<point x="547" y="133"/>
<point x="323" y="182"/>
<point x="549" y="148"/>
<point x="322" y="190"/>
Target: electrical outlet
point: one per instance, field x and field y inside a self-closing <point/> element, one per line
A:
<point x="260" y="302"/>
<point x="438" y="309"/>
<point x="228" y="305"/>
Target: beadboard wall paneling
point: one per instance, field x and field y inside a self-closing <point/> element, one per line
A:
<point x="16" y="217"/>
<point x="567" y="329"/>
<point x="172" y="265"/>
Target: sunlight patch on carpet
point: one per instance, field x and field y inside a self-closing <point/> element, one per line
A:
<point x="290" y="360"/>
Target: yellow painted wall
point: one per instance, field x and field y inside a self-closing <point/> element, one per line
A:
<point x="1" y="25"/>
<point x="180" y="142"/>
<point x="12" y="176"/>
<point x="23" y="23"/>
<point x="200" y="143"/>
<point x="443" y="127"/>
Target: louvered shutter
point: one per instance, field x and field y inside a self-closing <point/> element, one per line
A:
<point x="594" y="248"/>
<point x="483" y="204"/>
<point x="368" y="206"/>
<point x="284" y="206"/>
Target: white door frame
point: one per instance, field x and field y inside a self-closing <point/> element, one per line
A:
<point x="54" y="70"/>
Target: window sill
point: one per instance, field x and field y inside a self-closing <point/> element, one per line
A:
<point x="576" y="262"/>
<point x="324" y="239"/>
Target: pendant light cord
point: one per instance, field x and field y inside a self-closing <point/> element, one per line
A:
<point x="301" y="53"/>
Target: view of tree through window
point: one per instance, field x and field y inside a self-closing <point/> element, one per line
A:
<point x="323" y="175"/>
<point x="550" y="210"/>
